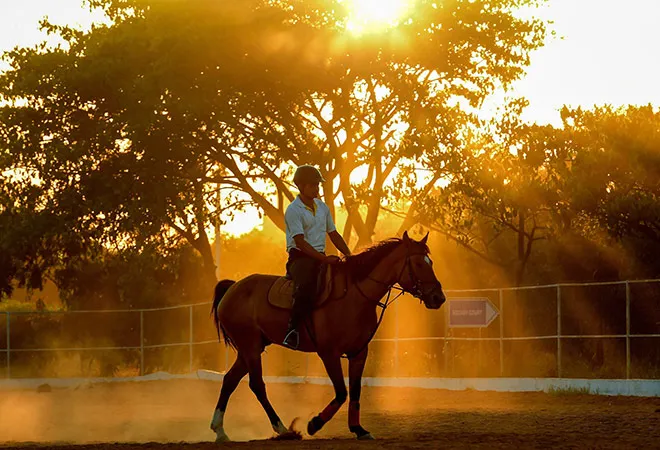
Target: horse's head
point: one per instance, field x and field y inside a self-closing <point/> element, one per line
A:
<point x="416" y="275"/>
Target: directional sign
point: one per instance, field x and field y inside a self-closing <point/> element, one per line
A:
<point x="471" y="312"/>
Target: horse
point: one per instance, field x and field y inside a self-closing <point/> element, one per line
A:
<point x="344" y="324"/>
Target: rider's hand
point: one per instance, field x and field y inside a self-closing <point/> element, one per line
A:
<point x="332" y="259"/>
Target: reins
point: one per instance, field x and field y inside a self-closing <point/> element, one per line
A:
<point x="415" y="293"/>
<point x="382" y="305"/>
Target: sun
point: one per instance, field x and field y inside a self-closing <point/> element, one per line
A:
<point x="374" y="15"/>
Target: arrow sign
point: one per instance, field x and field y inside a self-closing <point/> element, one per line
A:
<point x="471" y="312"/>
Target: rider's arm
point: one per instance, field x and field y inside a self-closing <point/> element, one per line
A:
<point x="339" y="242"/>
<point x="335" y="237"/>
<point x="306" y="248"/>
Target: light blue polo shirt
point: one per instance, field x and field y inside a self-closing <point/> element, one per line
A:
<point x="313" y="225"/>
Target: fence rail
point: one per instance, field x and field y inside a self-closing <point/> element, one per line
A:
<point x="447" y="336"/>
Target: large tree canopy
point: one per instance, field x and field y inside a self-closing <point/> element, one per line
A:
<point x="593" y="182"/>
<point x="127" y="133"/>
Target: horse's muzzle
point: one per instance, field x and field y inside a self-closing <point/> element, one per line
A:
<point x="434" y="299"/>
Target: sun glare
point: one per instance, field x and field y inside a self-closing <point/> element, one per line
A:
<point x="374" y="15"/>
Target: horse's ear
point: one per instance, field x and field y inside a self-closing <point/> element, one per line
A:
<point x="406" y="238"/>
<point x="426" y="238"/>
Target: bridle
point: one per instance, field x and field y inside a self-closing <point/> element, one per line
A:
<point x="415" y="291"/>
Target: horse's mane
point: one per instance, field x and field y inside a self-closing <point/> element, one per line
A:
<point x="361" y="265"/>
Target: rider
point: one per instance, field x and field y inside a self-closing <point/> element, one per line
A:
<point x="307" y="221"/>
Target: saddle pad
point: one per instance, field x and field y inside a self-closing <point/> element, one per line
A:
<point x="280" y="294"/>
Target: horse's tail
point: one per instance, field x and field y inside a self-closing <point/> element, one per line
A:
<point x="220" y="291"/>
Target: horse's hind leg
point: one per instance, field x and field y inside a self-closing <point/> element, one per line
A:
<point x="229" y="383"/>
<point x="258" y="386"/>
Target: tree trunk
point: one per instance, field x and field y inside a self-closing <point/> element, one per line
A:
<point x="520" y="266"/>
<point x="204" y="248"/>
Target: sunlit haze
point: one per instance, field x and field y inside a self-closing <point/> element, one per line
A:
<point x="368" y="15"/>
<point x="138" y="167"/>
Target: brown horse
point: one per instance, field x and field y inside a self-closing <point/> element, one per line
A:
<point x="342" y="325"/>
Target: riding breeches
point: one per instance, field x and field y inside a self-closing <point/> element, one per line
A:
<point x="304" y="271"/>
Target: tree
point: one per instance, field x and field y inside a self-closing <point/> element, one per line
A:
<point x="595" y="176"/>
<point x="109" y="279"/>
<point x="109" y="127"/>
<point x="32" y="238"/>
<point x="612" y="178"/>
<point x="132" y="127"/>
<point x="507" y="194"/>
<point x="615" y="169"/>
<point x="392" y="108"/>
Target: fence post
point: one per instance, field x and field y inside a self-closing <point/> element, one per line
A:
<point x="8" y="374"/>
<point x="141" y="342"/>
<point x="479" y="354"/>
<point x="501" y="332"/>
<point x="627" y="330"/>
<point x="396" y="339"/>
<point x="559" y="331"/>
<point x="190" y="342"/>
<point x="448" y="344"/>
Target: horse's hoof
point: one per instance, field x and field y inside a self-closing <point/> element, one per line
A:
<point x="361" y="433"/>
<point x="221" y="436"/>
<point x="314" y="425"/>
<point x="280" y="428"/>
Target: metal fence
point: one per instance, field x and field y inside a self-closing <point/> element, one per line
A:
<point x="546" y="320"/>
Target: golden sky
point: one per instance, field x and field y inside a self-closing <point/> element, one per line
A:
<point x="606" y="50"/>
<point x="608" y="53"/>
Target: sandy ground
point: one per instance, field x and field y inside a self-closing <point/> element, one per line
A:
<point x="176" y="414"/>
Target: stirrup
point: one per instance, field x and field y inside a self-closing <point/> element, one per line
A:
<point x="292" y="339"/>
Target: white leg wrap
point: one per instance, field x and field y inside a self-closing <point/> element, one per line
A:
<point x="218" y="420"/>
<point x="280" y="428"/>
<point x="217" y="425"/>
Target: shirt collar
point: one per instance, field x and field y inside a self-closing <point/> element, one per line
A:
<point x="303" y="205"/>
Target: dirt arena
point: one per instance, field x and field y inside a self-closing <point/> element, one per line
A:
<point x="176" y="414"/>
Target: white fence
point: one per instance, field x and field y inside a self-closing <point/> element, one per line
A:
<point x="496" y="331"/>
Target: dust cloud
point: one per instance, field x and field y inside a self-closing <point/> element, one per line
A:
<point x="145" y="412"/>
<point x="180" y="411"/>
<point x="106" y="412"/>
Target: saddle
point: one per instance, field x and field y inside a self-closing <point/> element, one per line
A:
<point x="280" y="294"/>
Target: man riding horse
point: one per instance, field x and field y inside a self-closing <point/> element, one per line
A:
<point x="344" y="324"/>
<point x="307" y="220"/>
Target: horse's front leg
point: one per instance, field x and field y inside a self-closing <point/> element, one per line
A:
<point x="332" y="365"/>
<point x="355" y="370"/>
